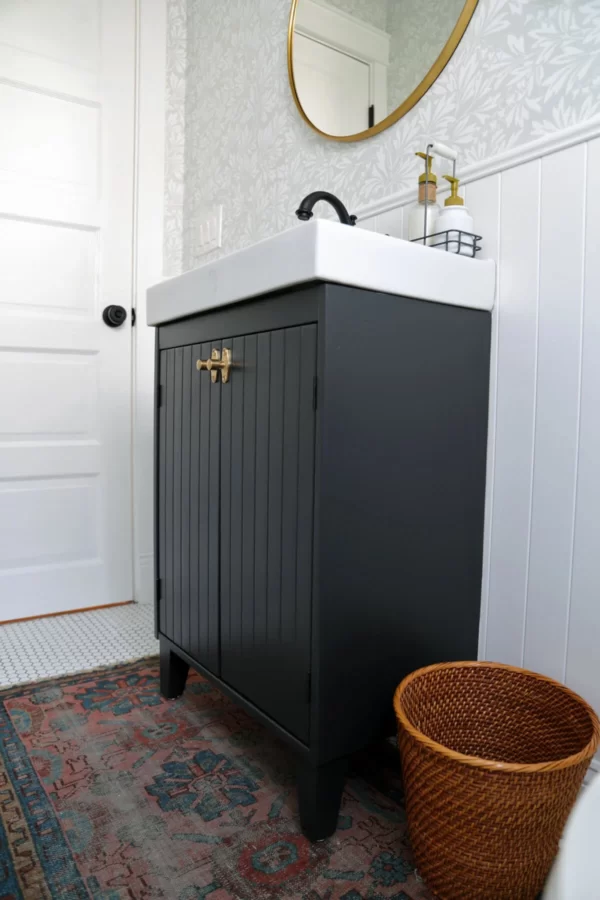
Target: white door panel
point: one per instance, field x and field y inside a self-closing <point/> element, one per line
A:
<point x="68" y="257"/>
<point x="333" y="86"/>
<point x="64" y="30"/>
<point x="33" y="508"/>
<point x="32" y="412"/>
<point x="66" y="201"/>
<point x="50" y="139"/>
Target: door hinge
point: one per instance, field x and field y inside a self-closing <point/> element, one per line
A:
<point x="159" y="395"/>
<point x="159" y="588"/>
<point x="133" y="316"/>
<point x="371" y="115"/>
<point x="309" y="687"/>
<point x="315" y="391"/>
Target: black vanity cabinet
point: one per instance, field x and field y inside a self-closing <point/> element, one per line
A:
<point x="319" y="510"/>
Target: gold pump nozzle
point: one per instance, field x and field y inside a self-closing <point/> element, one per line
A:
<point x="427" y="175"/>
<point x="453" y="199"/>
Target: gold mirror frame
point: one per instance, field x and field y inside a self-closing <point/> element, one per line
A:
<point x="421" y="89"/>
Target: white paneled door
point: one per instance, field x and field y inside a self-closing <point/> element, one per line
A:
<point x="67" y="70"/>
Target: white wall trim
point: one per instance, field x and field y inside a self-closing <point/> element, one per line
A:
<point x="134" y="282"/>
<point x="148" y="263"/>
<point x="337" y="28"/>
<point x="544" y="146"/>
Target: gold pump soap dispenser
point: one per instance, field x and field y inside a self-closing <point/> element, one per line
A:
<point x="427" y="189"/>
<point x="455" y="218"/>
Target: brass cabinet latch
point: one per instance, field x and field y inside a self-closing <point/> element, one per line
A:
<point x="216" y="363"/>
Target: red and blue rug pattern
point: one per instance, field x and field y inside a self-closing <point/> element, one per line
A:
<point x="109" y="792"/>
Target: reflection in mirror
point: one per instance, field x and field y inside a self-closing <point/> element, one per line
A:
<point x="356" y="63"/>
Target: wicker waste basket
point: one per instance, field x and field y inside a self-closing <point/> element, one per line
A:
<point x="492" y="758"/>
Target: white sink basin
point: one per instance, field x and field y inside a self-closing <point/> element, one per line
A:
<point x="321" y="250"/>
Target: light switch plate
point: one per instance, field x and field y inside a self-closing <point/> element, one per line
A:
<point x="209" y="229"/>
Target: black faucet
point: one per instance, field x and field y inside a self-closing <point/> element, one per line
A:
<point x="305" y="212"/>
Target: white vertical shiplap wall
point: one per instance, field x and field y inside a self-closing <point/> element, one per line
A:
<point x="582" y="657"/>
<point x="541" y="583"/>
<point x="556" y="437"/>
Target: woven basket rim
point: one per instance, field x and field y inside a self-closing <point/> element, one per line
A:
<point x="489" y="764"/>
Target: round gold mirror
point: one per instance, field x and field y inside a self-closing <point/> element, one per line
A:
<point x="357" y="66"/>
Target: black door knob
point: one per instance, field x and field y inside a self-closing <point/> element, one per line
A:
<point x="114" y="315"/>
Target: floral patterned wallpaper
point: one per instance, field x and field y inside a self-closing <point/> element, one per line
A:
<point x="524" y="68"/>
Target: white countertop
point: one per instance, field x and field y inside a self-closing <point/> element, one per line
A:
<point x="321" y="250"/>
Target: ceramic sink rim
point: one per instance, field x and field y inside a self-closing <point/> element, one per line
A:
<point x="321" y="250"/>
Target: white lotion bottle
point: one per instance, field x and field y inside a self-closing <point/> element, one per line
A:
<point x="416" y="218"/>
<point x="455" y="218"/>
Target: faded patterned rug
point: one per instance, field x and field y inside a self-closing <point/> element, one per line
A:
<point x="107" y="791"/>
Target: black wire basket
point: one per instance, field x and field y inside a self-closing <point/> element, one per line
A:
<point x="453" y="241"/>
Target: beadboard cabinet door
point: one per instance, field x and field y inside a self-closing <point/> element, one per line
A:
<point x="236" y="466"/>
<point x="188" y="503"/>
<point x="267" y="460"/>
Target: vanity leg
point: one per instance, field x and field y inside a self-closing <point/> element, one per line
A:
<point x="173" y="673"/>
<point x="319" y="796"/>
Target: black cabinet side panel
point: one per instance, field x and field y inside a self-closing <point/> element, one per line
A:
<point x="266" y="550"/>
<point x="403" y="408"/>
